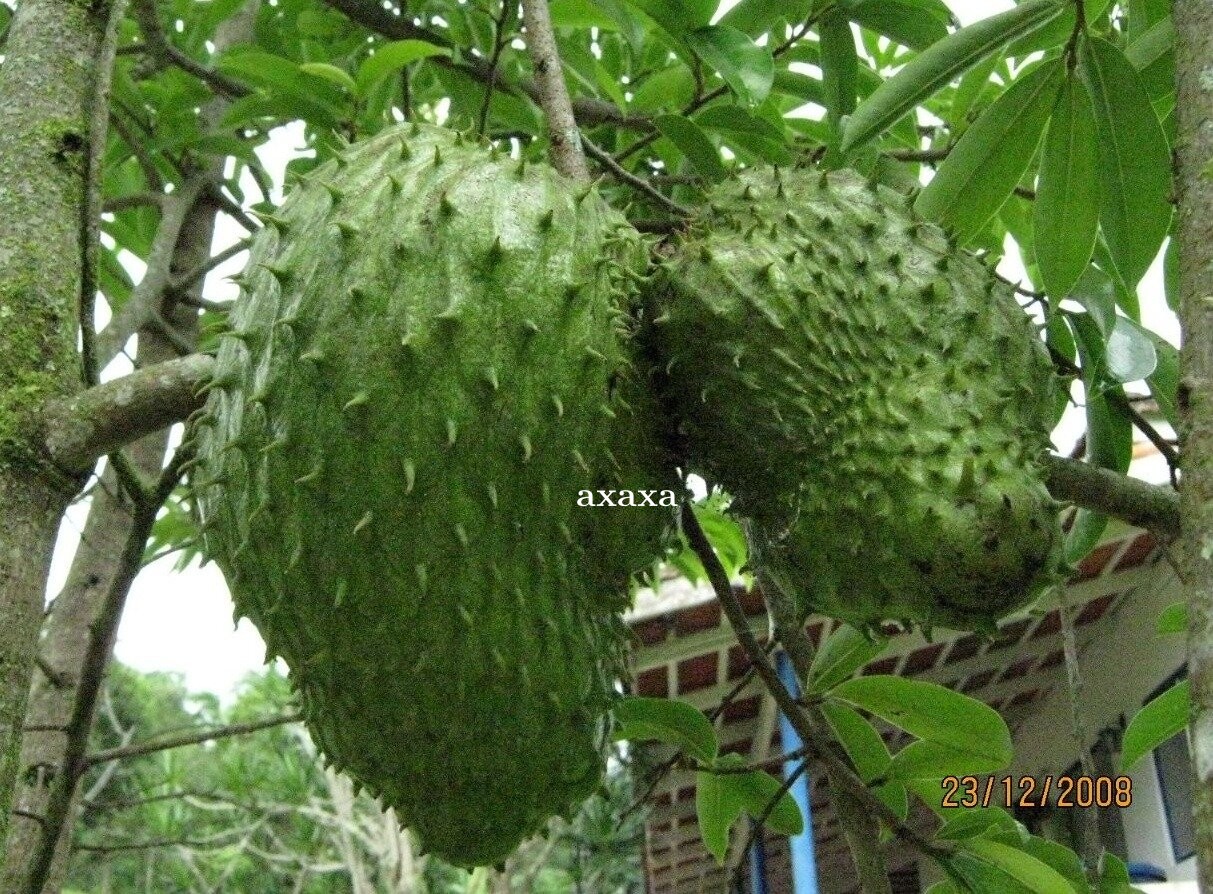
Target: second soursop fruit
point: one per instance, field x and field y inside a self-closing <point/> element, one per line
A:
<point x="874" y="399"/>
<point x="425" y="368"/>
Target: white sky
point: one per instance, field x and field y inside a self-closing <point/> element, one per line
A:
<point x="182" y="622"/>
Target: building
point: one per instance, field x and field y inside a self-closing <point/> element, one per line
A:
<point x="687" y="650"/>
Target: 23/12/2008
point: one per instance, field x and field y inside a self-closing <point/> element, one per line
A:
<point x="1030" y="791"/>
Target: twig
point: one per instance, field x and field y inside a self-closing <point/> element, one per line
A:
<point x="58" y="679"/>
<point x="187" y="279"/>
<point x="813" y="738"/>
<point x="564" y="139"/>
<point x="757" y="824"/>
<point x="620" y="173"/>
<point x="1087" y="833"/>
<point x="141" y="748"/>
<point x="136" y="200"/>
<point x="90" y="229"/>
<point x="150" y="172"/>
<point x="499" y="43"/>
<point x="158" y="45"/>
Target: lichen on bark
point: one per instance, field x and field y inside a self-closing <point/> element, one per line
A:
<point x="45" y="85"/>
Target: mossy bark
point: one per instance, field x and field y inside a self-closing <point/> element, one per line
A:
<point x="1194" y="152"/>
<point x="45" y="87"/>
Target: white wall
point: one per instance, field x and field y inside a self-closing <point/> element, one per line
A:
<point x="1121" y="668"/>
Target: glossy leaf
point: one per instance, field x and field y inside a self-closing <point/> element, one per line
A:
<point x="984" y="878"/>
<point x="747" y="68"/>
<point x="931" y="712"/>
<point x="859" y="739"/>
<point x="330" y="73"/>
<point x="693" y="143"/>
<point x="391" y="57"/>
<point x="741" y="130"/>
<point x="1164" y="381"/>
<point x="989" y="160"/>
<point x="934" y="760"/>
<point x="754" y="17"/>
<point x="1158" y="721"/>
<point x="718" y="805"/>
<point x="677" y="17"/>
<point x="936" y="66"/>
<point x="756" y="790"/>
<point x="839" y="65"/>
<point x="1134" y="160"/>
<point x="1034" y="874"/>
<point x="1130" y="352"/>
<point x="976" y="821"/>
<point x="842" y="653"/>
<point x="1066" y="212"/>
<point x="667" y="720"/>
<point x="912" y="23"/>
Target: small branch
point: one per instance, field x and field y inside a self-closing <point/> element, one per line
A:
<point x="223" y="732"/>
<point x="84" y="427"/>
<point x="564" y="139"/>
<point x="1148" y="506"/>
<point x="622" y="174"/>
<point x="150" y="172"/>
<point x="58" y="679"/>
<point x="147" y="294"/>
<point x="90" y="222"/>
<point x="499" y="43"/>
<point x="158" y="46"/>
<point x="190" y="277"/>
<point x="812" y="737"/>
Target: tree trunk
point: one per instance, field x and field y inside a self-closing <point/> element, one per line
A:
<point x="65" y="643"/>
<point x="45" y="91"/>
<point x="1194" y="150"/>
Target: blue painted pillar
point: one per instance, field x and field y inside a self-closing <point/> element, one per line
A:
<point x="758" y="863"/>
<point x="804" y="861"/>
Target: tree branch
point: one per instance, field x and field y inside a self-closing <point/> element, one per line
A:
<point x="84" y="427"/>
<point x="159" y="46"/>
<point x="564" y="139"/>
<point x="207" y="735"/>
<point x="1148" y="506"/>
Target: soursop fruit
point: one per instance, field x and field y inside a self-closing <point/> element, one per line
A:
<point x="873" y="398"/>
<point x="427" y="362"/>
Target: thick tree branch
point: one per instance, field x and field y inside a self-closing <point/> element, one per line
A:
<point x="564" y="139"/>
<point x="1148" y="506"/>
<point x="88" y="425"/>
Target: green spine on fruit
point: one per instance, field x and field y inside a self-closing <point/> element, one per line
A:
<point x="420" y="378"/>
<point x="873" y="398"/>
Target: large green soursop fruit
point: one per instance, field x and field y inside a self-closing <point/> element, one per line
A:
<point x="425" y="369"/>
<point x="874" y="399"/>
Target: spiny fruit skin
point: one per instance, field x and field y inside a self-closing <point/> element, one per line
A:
<point x="874" y="399"/>
<point x="414" y="390"/>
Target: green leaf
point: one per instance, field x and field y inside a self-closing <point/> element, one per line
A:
<point x="667" y="720"/>
<point x="859" y="739"/>
<point x="693" y="143"/>
<point x="1153" y="55"/>
<point x="330" y="73"/>
<point x="982" y="878"/>
<point x="912" y="23"/>
<point x="1130" y="352"/>
<point x="1060" y="858"/>
<point x="936" y="66"/>
<point x="1174" y="619"/>
<point x="839" y="65"/>
<point x="1066" y="212"/>
<point x="755" y="17"/>
<point x="755" y="791"/>
<point x="718" y="805"/>
<point x="801" y="86"/>
<point x="747" y="68"/>
<point x="976" y="821"/>
<point x="1034" y="874"/>
<point x="391" y="57"/>
<point x="677" y="17"/>
<point x="747" y="132"/>
<point x="932" y="712"/>
<point x="1164" y="381"/>
<point x="989" y="160"/>
<point x="844" y="652"/>
<point x="934" y="760"/>
<point x="1134" y="160"/>
<point x="1158" y="721"/>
